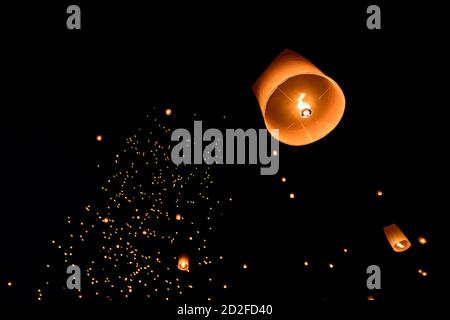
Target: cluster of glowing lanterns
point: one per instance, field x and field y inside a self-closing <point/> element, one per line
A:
<point x="303" y="105"/>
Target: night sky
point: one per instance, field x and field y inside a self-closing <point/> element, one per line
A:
<point x="117" y="76"/>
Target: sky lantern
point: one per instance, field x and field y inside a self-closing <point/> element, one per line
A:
<point x="396" y="238"/>
<point x="300" y="101"/>
<point x="183" y="262"/>
<point x="422" y="240"/>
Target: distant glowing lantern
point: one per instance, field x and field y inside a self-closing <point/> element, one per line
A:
<point x="99" y="138"/>
<point x="183" y="262"/>
<point x="300" y="101"/>
<point x="168" y="112"/>
<point x="422" y="240"/>
<point x="379" y="193"/>
<point x="178" y="217"/>
<point x="396" y="238"/>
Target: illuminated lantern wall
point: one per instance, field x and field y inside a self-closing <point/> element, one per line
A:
<point x="183" y="262"/>
<point x="298" y="99"/>
<point x="396" y="238"/>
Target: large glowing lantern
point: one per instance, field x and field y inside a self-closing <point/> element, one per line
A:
<point x="298" y="99"/>
<point x="183" y="262"/>
<point x="396" y="238"/>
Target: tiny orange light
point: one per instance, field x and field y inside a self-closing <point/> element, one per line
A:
<point x="331" y="266"/>
<point x="422" y="240"/>
<point x="178" y="217"/>
<point x="306" y="263"/>
<point x="99" y="138"/>
<point x="345" y="250"/>
<point x="292" y="195"/>
<point x="10" y="284"/>
<point x="105" y="220"/>
<point x="370" y="297"/>
<point x="283" y="179"/>
<point x="379" y="193"/>
<point x="244" y="266"/>
<point x="168" y="112"/>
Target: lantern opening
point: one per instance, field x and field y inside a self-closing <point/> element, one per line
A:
<point x="402" y="244"/>
<point x="286" y="104"/>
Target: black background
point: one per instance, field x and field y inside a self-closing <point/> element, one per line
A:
<point x="61" y="88"/>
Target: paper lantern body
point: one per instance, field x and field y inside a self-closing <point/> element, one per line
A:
<point x="298" y="99"/>
<point x="396" y="238"/>
<point x="183" y="263"/>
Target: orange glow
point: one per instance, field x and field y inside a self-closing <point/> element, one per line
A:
<point x="183" y="262"/>
<point x="396" y="238"/>
<point x="292" y="195"/>
<point x="300" y="101"/>
<point x="331" y="266"/>
<point x="345" y="250"/>
<point x="422" y="240"/>
<point x="168" y="112"/>
<point x="244" y="266"/>
<point x="283" y="179"/>
<point x="99" y="138"/>
<point x="370" y="297"/>
<point x="105" y="220"/>
<point x="379" y="193"/>
<point x="304" y="108"/>
<point x="178" y="217"/>
<point x="306" y="263"/>
<point x="10" y="284"/>
<point x="424" y="273"/>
